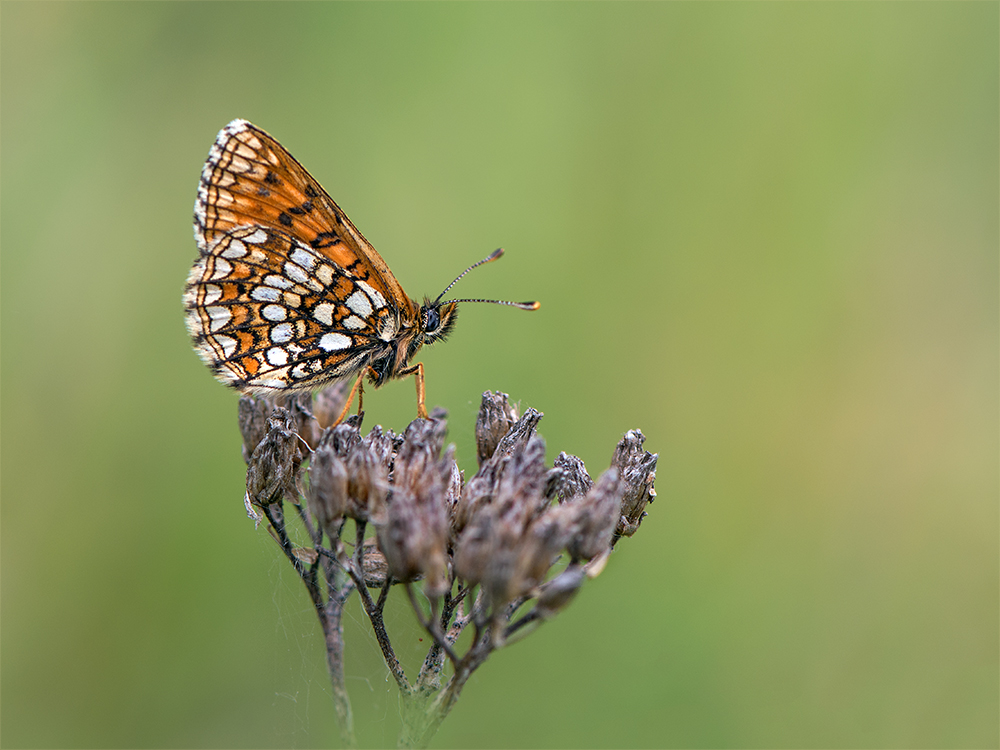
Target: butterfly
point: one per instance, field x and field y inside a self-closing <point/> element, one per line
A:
<point x="286" y="295"/>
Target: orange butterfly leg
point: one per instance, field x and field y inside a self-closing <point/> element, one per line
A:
<point x="417" y="371"/>
<point x="359" y="390"/>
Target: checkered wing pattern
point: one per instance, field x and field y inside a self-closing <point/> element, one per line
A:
<point x="286" y="293"/>
<point x="267" y="312"/>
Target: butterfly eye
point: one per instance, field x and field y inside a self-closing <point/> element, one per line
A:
<point x="431" y="320"/>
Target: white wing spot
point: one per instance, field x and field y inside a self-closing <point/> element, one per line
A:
<point x="323" y="312"/>
<point x="279" y="281"/>
<point x="354" y="323"/>
<point x="239" y="164"/>
<point x="213" y="292"/>
<point x="360" y="304"/>
<point x="295" y="273"/>
<point x="227" y="344"/>
<point x="265" y="294"/>
<point x="324" y="273"/>
<point x="281" y="333"/>
<point x="274" y="313"/>
<point x="257" y="237"/>
<point x="236" y="249"/>
<point x="276" y="383"/>
<point x="277" y="356"/>
<point x="377" y="298"/>
<point x="221" y="268"/>
<point x="305" y="259"/>
<point x="332" y="342"/>
<point x="218" y="317"/>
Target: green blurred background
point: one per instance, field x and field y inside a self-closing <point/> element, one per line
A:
<point x="765" y="234"/>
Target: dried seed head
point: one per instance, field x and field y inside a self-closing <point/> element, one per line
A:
<point x="342" y="438"/>
<point x="567" y="478"/>
<point x="367" y="485"/>
<point x="496" y="417"/>
<point x="559" y="592"/>
<point x="414" y="538"/>
<point x="381" y="445"/>
<point x="327" y="495"/>
<point x="271" y="471"/>
<point x="482" y="488"/>
<point x="517" y="437"/>
<point x="303" y="422"/>
<point x="596" y="515"/>
<point x="637" y="469"/>
<point x="253" y="414"/>
<point x="538" y="549"/>
<point x="519" y="495"/>
<point x="496" y="548"/>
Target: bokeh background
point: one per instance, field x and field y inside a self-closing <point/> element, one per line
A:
<point x="766" y="234"/>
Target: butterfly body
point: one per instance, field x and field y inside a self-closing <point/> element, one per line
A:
<point x="286" y="294"/>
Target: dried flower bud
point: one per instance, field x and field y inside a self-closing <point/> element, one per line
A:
<point x="253" y="414"/>
<point x="637" y="469"/>
<point x="271" y="471"/>
<point x="481" y="489"/>
<point x="303" y="422"/>
<point x="453" y="493"/>
<point x="560" y="591"/>
<point x="496" y="417"/>
<point x="494" y="548"/>
<point x="476" y="544"/>
<point x="597" y="513"/>
<point x="414" y="538"/>
<point x="539" y="548"/>
<point x="342" y="438"/>
<point x="567" y="478"/>
<point x="367" y="485"/>
<point x="519" y="494"/>
<point x="327" y="496"/>
<point x="518" y="435"/>
<point x="381" y="445"/>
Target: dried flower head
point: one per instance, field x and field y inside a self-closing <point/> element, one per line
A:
<point x="414" y="538"/>
<point x="516" y="532"/>
<point x="638" y="470"/>
<point x="272" y="467"/>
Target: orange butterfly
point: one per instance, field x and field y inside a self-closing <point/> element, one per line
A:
<point x="286" y="294"/>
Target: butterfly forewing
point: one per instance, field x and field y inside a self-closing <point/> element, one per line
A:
<point x="250" y="179"/>
<point x="267" y="311"/>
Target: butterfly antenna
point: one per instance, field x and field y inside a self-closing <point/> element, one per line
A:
<point x="489" y="258"/>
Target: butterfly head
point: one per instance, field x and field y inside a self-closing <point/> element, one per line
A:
<point x="437" y="319"/>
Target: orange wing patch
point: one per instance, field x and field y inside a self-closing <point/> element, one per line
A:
<point x="267" y="312"/>
<point x="250" y="179"/>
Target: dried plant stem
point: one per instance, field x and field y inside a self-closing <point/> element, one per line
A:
<point x="333" y="632"/>
<point x="330" y="615"/>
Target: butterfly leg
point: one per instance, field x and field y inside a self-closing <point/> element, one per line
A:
<point x="358" y="390"/>
<point x="417" y="371"/>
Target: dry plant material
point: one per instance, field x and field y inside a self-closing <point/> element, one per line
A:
<point x="494" y="556"/>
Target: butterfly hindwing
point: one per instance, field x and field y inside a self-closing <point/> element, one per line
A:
<point x="266" y="311"/>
